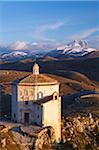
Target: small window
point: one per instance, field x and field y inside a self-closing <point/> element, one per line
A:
<point x="40" y="95"/>
<point x="26" y="102"/>
<point x="38" y="116"/>
<point x="55" y="97"/>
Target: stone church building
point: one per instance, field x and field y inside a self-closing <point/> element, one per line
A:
<point x="36" y="100"/>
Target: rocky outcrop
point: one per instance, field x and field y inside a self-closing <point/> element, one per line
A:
<point x="34" y="140"/>
<point x="81" y="132"/>
<point x="24" y="140"/>
<point x="45" y="139"/>
<point x="26" y="137"/>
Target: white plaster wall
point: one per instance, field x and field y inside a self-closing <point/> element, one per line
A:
<point x="47" y="89"/>
<point x="52" y="116"/>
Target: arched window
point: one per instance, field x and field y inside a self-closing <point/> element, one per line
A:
<point x="39" y="95"/>
<point x="55" y="96"/>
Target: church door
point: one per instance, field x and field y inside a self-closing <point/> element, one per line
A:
<point x="26" y="118"/>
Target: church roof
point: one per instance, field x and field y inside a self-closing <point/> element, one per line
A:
<point x="44" y="100"/>
<point x="37" y="79"/>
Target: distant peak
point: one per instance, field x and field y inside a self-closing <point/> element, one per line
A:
<point x="76" y="47"/>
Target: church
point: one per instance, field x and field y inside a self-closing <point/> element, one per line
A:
<point x="36" y="100"/>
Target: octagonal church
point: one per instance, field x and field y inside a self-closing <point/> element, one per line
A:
<point x="36" y="100"/>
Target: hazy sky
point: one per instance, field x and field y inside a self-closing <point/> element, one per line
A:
<point x="49" y="21"/>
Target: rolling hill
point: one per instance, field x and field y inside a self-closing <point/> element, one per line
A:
<point x="89" y="67"/>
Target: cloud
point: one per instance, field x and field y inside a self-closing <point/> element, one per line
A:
<point x="50" y="26"/>
<point x="44" y="45"/>
<point x="40" y="31"/>
<point x="94" y="41"/>
<point x="85" y="34"/>
<point x="35" y="46"/>
<point x="18" y="45"/>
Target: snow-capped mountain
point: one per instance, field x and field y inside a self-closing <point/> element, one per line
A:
<point x="13" y="55"/>
<point x="75" y="48"/>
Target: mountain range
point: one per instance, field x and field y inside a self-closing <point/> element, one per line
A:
<point x="75" y="49"/>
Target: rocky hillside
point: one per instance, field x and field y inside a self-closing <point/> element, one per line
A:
<point x="81" y="132"/>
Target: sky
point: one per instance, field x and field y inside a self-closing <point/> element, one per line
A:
<point x="48" y="21"/>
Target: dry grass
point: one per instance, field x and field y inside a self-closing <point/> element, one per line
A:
<point x="67" y="85"/>
<point x="7" y="77"/>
